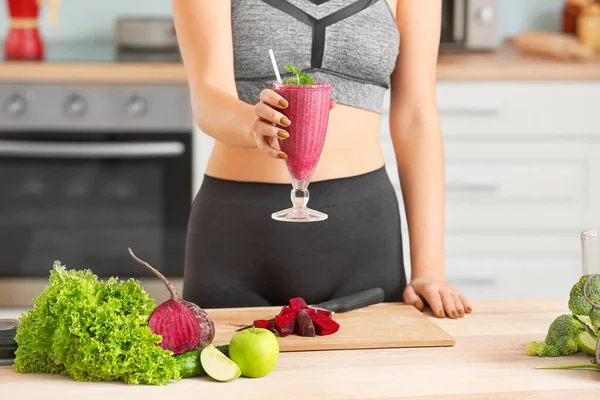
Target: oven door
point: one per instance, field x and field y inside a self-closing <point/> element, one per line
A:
<point x="453" y="33"/>
<point x="85" y="199"/>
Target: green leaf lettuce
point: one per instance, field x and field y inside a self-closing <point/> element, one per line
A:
<point x="93" y="330"/>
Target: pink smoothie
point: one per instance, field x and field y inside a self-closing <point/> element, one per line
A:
<point x="309" y="112"/>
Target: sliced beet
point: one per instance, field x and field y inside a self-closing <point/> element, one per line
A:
<point x="263" y="323"/>
<point x="325" y="326"/>
<point x="322" y="313"/>
<point x="304" y="324"/>
<point x="298" y="303"/>
<point x="285" y="310"/>
<point x="285" y="324"/>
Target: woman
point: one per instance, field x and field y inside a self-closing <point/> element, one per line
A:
<point x="236" y="254"/>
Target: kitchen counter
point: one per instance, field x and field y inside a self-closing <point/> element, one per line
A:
<point x="487" y="363"/>
<point x="502" y="65"/>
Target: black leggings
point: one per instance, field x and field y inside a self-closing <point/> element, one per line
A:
<point x="237" y="256"/>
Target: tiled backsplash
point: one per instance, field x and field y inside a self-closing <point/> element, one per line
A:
<point x="88" y="20"/>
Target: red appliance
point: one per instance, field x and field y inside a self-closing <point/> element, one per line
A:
<point x="23" y="41"/>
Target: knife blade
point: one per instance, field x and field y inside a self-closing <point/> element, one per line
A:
<point x="344" y="304"/>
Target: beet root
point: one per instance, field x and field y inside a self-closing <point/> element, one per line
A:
<point x="298" y="303"/>
<point x="207" y="325"/>
<point x="324" y="325"/>
<point x="177" y="326"/>
<point x="183" y="325"/>
<point x="304" y="324"/>
<point x="263" y="323"/>
<point x="285" y="324"/>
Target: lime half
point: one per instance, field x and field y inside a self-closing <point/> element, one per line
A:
<point x="218" y="366"/>
<point x="586" y="342"/>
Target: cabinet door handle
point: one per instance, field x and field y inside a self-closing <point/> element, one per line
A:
<point x="470" y="111"/>
<point x="472" y="187"/>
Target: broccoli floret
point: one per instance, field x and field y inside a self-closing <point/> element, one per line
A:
<point x="542" y="349"/>
<point x="561" y="339"/>
<point x="579" y="305"/>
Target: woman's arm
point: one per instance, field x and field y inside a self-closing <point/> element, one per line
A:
<point x="418" y="144"/>
<point x="205" y="40"/>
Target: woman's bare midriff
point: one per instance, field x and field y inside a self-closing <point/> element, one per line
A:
<point x="351" y="148"/>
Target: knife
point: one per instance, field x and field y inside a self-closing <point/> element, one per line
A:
<point x="344" y="304"/>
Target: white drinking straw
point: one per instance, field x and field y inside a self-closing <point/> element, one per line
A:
<point x="275" y="65"/>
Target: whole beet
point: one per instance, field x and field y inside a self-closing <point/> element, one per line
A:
<point x="183" y="324"/>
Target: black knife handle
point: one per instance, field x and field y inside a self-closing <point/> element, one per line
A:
<point x="354" y="301"/>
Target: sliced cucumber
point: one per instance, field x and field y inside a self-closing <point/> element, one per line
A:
<point x="218" y="366"/>
<point x="586" y="342"/>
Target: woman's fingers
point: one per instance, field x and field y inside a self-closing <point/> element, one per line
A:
<point x="458" y="304"/>
<point x="272" y="98"/>
<point x="432" y="296"/>
<point x="466" y="303"/>
<point x="265" y="144"/>
<point x="269" y="114"/>
<point x="449" y="304"/>
<point x="267" y="129"/>
<point x="412" y="298"/>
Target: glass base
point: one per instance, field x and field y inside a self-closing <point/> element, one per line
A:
<point x="297" y="214"/>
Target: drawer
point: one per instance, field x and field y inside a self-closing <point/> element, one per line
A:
<point x="519" y="108"/>
<point x="513" y="278"/>
<point x="492" y="184"/>
<point x="514" y="244"/>
<point x="512" y="194"/>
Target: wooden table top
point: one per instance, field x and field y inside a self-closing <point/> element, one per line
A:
<point x="488" y="363"/>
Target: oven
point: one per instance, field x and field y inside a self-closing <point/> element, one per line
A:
<point x="469" y="25"/>
<point x="87" y="172"/>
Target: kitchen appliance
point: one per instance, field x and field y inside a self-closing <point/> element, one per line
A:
<point x="23" y="40"/>
<point x="8" y="346"/>
<point x="146" y="33"/>
<point x="469" y="25"/>
<point x="147" y="37"/>
<point x="379" y="326"/>
<point x="88" y="170"/>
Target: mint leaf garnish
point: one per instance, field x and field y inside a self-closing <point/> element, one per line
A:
<point x="304" y="79"/>
<point x="301" y="78"/>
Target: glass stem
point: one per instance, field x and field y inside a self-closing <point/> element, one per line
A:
<point x="299" y="198"/>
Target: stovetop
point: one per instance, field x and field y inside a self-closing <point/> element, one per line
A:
<point x="73" y="52"/>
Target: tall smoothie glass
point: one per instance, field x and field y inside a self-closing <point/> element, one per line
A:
<point x="308" y="110"/>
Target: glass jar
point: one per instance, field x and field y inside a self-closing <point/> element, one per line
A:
<point x="588" y="26"/>
<point x="571" y="12"/>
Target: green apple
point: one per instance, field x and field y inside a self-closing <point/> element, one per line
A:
<point x="586" y="342"/>
<point x="255" y="351"/>
<point x="217" y="365"/>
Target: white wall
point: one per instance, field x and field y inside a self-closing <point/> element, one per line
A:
<point x="87" y="20"/>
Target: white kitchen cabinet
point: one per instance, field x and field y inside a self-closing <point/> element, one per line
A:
<point x="522" y="182"/>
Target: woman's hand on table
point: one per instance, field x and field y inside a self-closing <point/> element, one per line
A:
<point x="443" y="299"/>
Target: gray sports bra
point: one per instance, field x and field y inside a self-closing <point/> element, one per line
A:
<point x="351" y="43"/>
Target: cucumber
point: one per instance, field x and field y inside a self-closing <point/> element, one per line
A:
<point x="189" y="364"/>
<point x="224" y="349"/>
<point x="586" y="342"/>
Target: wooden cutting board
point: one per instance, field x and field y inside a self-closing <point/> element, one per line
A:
<point x="384" y="325"/>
